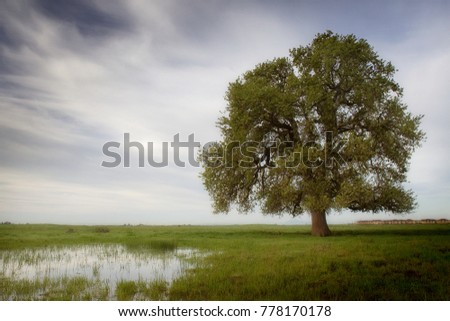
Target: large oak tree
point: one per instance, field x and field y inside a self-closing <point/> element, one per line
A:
<point x="323" y="129"/>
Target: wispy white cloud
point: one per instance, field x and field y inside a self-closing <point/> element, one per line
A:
<point x="75" y="77"/>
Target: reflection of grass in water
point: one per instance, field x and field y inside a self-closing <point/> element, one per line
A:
<point x="31" y="256"/>
<point x="155" y="246"/>
<point x="96" y="271"/>
<point x="163" y="246"/>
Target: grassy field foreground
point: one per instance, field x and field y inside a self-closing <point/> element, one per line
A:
<point x="259" y="262"/>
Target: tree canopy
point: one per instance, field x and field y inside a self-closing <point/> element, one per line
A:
<point x="322" y="129"/>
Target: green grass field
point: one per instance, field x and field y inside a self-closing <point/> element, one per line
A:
<point x="257" y="262"/>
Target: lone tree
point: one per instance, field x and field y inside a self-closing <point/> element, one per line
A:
<point x="323" y="129"/>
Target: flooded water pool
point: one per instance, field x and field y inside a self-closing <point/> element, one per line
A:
<point x="106" y="266"/>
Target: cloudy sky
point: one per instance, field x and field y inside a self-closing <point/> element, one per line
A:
<point x="77" y="74"/>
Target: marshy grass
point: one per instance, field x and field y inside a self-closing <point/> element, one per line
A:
<point x="61" y="289"/>
<point x="155" y="246"/>
<point x="101" y="229"/>
<point x="59" y="272"/>
<point x="254" y="262"/>
<point x="156" y="290"/>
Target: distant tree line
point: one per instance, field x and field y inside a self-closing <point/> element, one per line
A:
<point x="409" y="221"/>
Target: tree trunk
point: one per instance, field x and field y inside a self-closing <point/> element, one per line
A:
<point x="319" y="224"/>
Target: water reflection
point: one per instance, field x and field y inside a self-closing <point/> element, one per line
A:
<point x="107" y="263"/>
